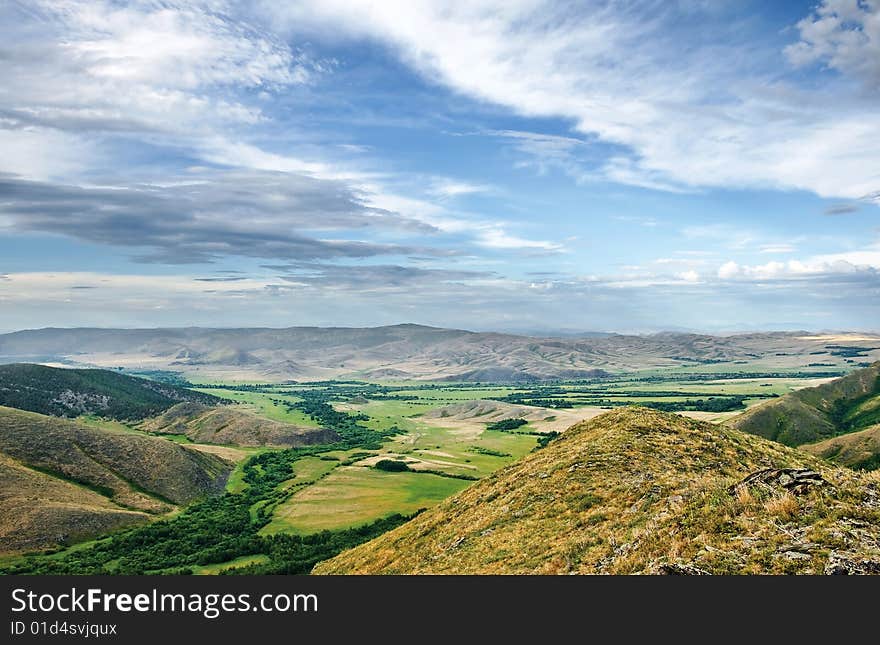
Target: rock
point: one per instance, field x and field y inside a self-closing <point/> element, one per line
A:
<point x="672" y="569"/>
<point x="845" y="565"/>
<point x="797" y="555"/>
<point x="794" y="480"/>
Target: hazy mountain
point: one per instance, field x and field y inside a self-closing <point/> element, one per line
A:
<point x="641" y="491"/>
<point x="418" y="352"/>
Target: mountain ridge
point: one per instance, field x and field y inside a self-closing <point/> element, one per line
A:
<point x="73" y="392"/>
<point x="417" y="352"/>
<point x="641" y="491"/>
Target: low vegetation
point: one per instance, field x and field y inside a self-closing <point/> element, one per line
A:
<point x="506" y="425"/>
<point x="641" y="491"/>
<point x="391" y="466"/>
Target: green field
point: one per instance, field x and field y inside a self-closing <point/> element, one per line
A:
<point x="345" y="493"/>
<point x="354" y="495"/>
<point x="214" y="569"/>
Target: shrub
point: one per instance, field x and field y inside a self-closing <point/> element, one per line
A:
<point x="391" y="465"/>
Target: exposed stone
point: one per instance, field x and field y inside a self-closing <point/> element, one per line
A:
<point x="794" y="480"/>
<point x="673" y="569"/>
<point x="846" y="565"/>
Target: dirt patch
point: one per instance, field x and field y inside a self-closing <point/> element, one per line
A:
<point x="414" y="463"/>
<point x="226" y="452"/>
<point x="471" y="427"/>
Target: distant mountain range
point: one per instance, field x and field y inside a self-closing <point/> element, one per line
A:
<point x="419" y="352"/>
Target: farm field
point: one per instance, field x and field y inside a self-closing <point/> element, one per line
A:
<point x="333" y="495"/>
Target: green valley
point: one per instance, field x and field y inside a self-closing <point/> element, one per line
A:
<point x="286" y="508"/>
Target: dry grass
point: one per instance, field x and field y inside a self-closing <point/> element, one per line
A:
<point x="784" y="506"/>
<point x="628" y="492"/>
<point x="61" y="481"/>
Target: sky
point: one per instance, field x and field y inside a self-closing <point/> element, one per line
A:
<point x="514" y="165"/>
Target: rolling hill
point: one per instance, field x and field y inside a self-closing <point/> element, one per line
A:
<point x="73" y="392"/>
<point x="859" y="450"/>
<point x="488" y="411"/>
<point x="63" y="482"/>
<point x="641" y="491"/>
<point x="419" y="352"/>
<point x="228" y="426"/>
<point x="841" y="406"/>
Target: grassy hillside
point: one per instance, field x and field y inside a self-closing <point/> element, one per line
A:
<point x="641" y="491"/>
<point x="860" y="450"/>
<point x="63" y="481"/>
<point x="226" y="425"/>
<point x="72" y="392"/>
<point x="844" y="405"/>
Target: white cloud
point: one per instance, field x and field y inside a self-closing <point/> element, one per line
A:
<point x="172" y="44"/>
<point x="450" y="188"/>
<point x="778" y="248"/>
<point x="728" y="270"/>
<point x="843" y="34"/>
<point x="170" y="72"/>
<point x="684" y="261"/>
<point x="40" y="153"/>
<point x="497" y="238"/>
<point x="865" y="261"/>
<point x="681" y="116"/>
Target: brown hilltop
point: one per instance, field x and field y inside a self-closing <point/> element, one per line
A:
<point x="641" y="491"/>
<point x="62" y="482"/>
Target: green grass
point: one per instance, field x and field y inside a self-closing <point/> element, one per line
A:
<point x="236" y="483"/>
<point x="106" y="424"/>
<point x="353" y="495"/>
<point x="261" y="403"/>
<point x="308" y="470"/>
<point x="214" y="569"/>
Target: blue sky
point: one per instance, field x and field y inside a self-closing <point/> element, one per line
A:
<point x="518" y="165"/>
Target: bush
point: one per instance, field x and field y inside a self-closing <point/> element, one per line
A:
<point x="391" y="465"/>
<point x="507" y="424"/>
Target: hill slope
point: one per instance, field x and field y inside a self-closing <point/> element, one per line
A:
<point x="487" y="410"/>
<point x="860" y="450"/>
<point x="419" y="352"/>
<point x="72" y="392"/>
<point x="846" y="404"/>
<point x="226" y="425"/>
<point x="63" y="481"/>
<point x="637" y="490"/>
